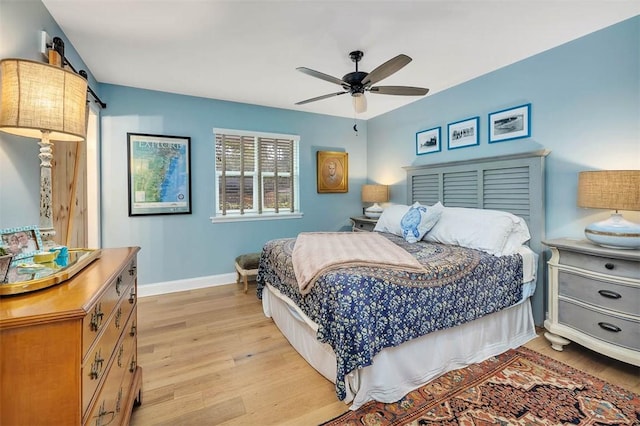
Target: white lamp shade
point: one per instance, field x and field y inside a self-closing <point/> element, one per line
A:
<point x="38" y="97"/>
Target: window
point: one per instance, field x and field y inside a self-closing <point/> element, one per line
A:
<point x="256" y="175"/>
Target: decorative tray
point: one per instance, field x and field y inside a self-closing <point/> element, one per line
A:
<point x="26" y="275"/>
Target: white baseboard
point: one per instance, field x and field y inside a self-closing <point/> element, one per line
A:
<point x="167" y="287"/>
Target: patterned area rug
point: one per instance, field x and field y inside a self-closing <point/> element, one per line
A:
<point x="519" y="387"/>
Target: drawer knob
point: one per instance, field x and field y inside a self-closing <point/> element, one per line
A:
<point x="132" y="270"/>
<point x="609" y="294"/>
<point x="133" y="330"/>
<point x="609" y="266"/>
<point x="609" y="327"/>
<point x="132" y="296"/>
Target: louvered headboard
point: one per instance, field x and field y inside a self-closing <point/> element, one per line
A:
<point x="512" y="183"/>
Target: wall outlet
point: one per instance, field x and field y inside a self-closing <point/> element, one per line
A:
<point x="46" y="43"/>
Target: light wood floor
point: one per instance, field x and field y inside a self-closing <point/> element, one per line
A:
<point x="211" y="357"/>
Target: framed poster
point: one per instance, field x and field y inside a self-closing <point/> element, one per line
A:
<point x="508" y="124"/>
<point x="428" y="141"/>
<point x="159" y="174"/>
<point x="333" y="171"/>
<point x="464" y="133"/>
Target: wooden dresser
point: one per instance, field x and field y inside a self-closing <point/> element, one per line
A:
<point x="68" y="354"/>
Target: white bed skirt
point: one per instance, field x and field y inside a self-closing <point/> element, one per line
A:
<point x="397" y="371"/>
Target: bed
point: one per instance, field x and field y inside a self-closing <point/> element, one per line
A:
<point x="380" y="330"/>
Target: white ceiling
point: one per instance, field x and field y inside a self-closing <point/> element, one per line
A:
<point x="248" y="51"/>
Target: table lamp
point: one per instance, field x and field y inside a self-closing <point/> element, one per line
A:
<point x="374" y="194"/>
<point x="613" y="190"/>
<point x="47" y="102"/>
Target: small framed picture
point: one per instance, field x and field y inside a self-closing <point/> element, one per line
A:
<point x="333" y="171"/>
<point x="464" y="133"/>
<point x="159" y="174"/>
<point x="428" y="141"/>
<point x="509" y="124"/>
<point x="22" y="242"/>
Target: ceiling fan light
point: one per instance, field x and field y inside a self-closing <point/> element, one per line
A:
<point x="359" y="102"/>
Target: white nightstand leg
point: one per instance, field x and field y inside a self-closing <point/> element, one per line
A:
<point x="557" y="342"/>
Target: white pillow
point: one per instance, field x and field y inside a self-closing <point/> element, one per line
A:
<point x="418" y="220"/>
<point x="390" y="218"/>
<point x="492" y="231"/>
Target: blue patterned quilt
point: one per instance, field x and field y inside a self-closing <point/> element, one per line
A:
<point x="362" y="310"/>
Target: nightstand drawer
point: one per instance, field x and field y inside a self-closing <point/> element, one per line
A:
<point x="363" y="223"/>
<point x="609" y="328"/>
<point x="603" y="265"/>
<point x="620" y="298"/>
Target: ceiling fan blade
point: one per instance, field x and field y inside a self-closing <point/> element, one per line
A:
<point x="399" y="90"/>
<point x="386" y="69"/>
<point x="318" y="98"/>
<point x="321" y="75"/>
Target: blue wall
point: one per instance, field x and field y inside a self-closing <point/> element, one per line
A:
<point x="585" y="98"/>
<point x="187" y="246"/>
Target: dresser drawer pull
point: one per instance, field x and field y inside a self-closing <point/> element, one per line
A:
<point x="609" y="327"/>
<point x="118" y="284"/>
<point x="118" y="318"/>
<point x="96" y="317"/>
<point x="119" y="401"/>
<point x="96" y="366"/>
<point x="132" y="297"/>
<point x="102" y="413"/>
<point x="609" y="266"/>
<point x="609" y="294"/>
<point x="133" y="365"/>
<point x="120" y="353"/>
<point x="133" y="330"/>
<point x="132" y="270"/>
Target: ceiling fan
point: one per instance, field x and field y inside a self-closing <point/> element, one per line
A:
<point x="358" y="82"/>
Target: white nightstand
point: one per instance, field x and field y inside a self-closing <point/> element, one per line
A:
<point x="363" y="223"/>
<point x="594" y="298"/>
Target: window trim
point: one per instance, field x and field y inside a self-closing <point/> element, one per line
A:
<point x="253" y="216"/>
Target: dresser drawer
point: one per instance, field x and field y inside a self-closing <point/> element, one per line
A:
<point x="608" y="295"/>
<point x="111" y="400"/>
<point x="107" y="409"/>
<point x="96" y="318"/>
<point x="609" y="328"/>
<point x="603" y="265"/>
<point x="96" y="361"/>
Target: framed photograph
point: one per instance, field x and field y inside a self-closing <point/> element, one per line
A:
<point x="333" y="171"/>
<point x="508" y="124"/>
<point x="464" y="133"/>
<point x="22" y="242"/>
<point x="428" y="141"/>
<point x="159" y="174"/>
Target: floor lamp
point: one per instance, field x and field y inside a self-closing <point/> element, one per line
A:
<point x="42" y="101"/>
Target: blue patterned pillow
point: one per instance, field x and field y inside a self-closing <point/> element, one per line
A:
<point x="418" y="220"/>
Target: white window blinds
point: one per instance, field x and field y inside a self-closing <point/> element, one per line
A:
<point x="256" y="173"/>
